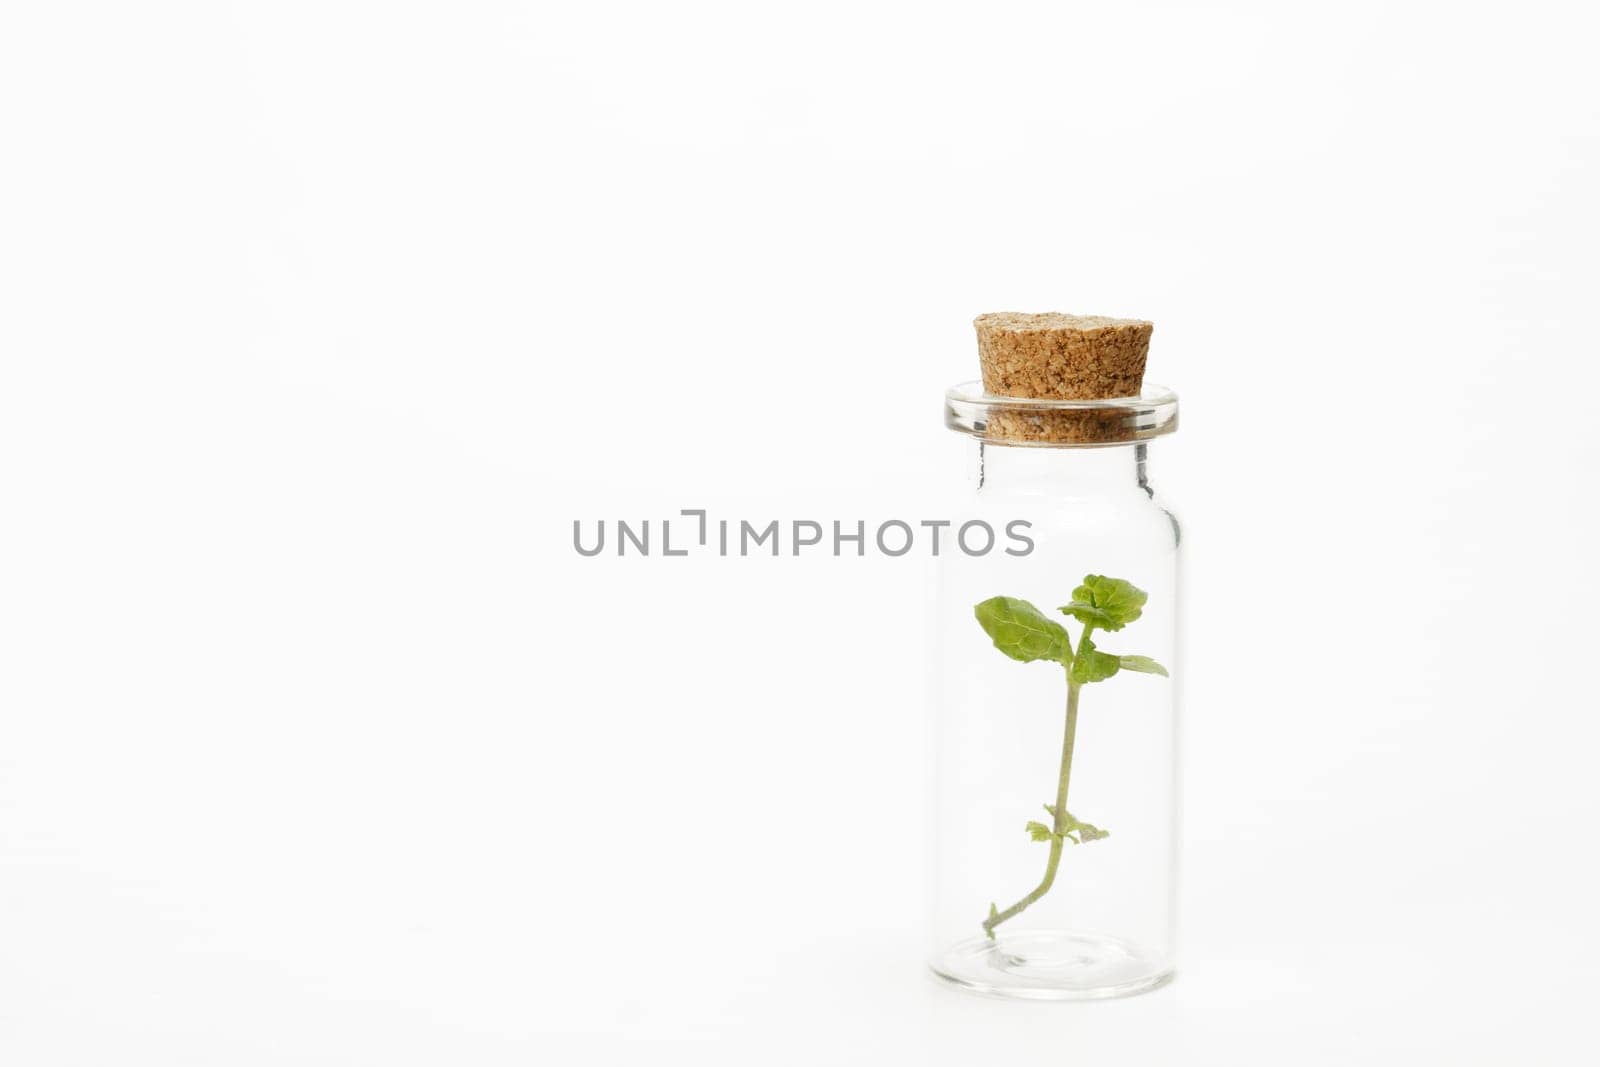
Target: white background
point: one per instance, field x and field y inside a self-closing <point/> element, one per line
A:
<point x="321" y="322"/>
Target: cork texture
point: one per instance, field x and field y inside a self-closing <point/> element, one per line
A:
<point x="1052" y="356"/>
<point x="1061" y="357"/>
<point x="1106" y="426"/>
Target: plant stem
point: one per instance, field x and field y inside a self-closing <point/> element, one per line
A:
<point x="1060" y="826"/>
<point x="1068" y="739"/>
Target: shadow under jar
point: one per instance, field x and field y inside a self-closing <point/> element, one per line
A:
<point x="1054" y="800"/>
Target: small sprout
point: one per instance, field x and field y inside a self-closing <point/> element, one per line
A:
<point x="1024" y="633"/>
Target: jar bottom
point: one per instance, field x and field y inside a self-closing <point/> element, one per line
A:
<point x="1052" y="965"/>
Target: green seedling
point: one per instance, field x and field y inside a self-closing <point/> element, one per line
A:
<point x="1025" y="633"/>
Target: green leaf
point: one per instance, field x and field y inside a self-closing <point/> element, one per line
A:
<point x="1039" y="831"/>
<point x="1088" y="614"/>
<point x="1092" y="665"/>
<point x="1106" y="603"/>
<point x="1022" y="631"/>
<point x="1143" y="664"/>
<point x="1086" y="831"/>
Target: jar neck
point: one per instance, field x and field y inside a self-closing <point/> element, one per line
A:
<point x="1058" y="471"/>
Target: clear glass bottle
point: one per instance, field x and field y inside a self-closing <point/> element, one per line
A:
<point x="1054" y="796"/>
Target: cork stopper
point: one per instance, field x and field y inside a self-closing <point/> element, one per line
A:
<point x="1051" y="356"/>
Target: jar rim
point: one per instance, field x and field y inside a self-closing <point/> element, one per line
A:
<point x="1049" y="423"/>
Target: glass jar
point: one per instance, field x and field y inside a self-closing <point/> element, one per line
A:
<point x="1054" y="794"/>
